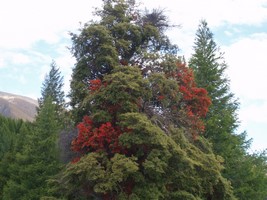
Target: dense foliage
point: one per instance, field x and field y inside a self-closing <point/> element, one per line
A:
<point x="30" y="155"/>
<point x="11" y="140"/>
<point x="140" y="114"/>
<point x="143" y="124"/>
<point x="221" y="120"/>
<point x="124" y="154"/>
<point x="37" y="159"/>
<point x="123" y="36"/>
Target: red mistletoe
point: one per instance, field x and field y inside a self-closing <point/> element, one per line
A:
<point x="95" y="84"/>
<point x="195" y="100"/>
<point x="92" y="139"/>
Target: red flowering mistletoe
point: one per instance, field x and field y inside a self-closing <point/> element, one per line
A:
<point x="195" y="100"/>
<point x="93" y="139"/>
<point x="95" y="85"/>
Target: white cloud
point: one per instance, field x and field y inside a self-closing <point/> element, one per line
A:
<point x="25" y="22"/>
<point x="254" y="113"/>
<point x="2" y="62"/>
<point x="19" y="58"/>
<point x="9" y="58"/>
<point x="17" y="77"/>
<point x="247" y="71"/>
<point x="217" y="12"/>
<point x="247" y="66"/>
<point x="188" y="14"/>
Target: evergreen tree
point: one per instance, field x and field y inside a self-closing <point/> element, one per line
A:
<point x="38" y="159"/>
<point x="221" y="121"/>
<point x="250" y="179"/>
<point x="52" y="87"/>
<point x="9" y="131"/>
<point x="124" y="35"/>
<point x="124" y="154"/>
<point x="140" y="115"/>
<point x="12" y="134"/>
<point x="6" y="136"/>
<point x="209" y="70"/>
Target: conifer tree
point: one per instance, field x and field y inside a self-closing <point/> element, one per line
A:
<point x="38" y="159"/>
<point x="221" y="120"/>
<point x="209" y="69"/>
<point x="139" y="115"/>
<point x="12" y="134"/>
<point x="124" y="35"/>
<point x="6" y="136"/>
<point x="9" y="131"/>
<point x="124" y="154"/>
<point x="52" y="87"/>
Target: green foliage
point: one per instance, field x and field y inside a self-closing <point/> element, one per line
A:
<point x="12" y="134"/>
<point x="166" y="171"/>
<point x="209" y="71"/>
<point x="36" y="158"/>
<point x="96" y="172"/>
<point x="133" y="141"/>
<point x="52" y="87"/>
<point x="123" y="36"/>
<point x="9" y="130"/>
<point x="154" y="165"/>
<point x="251" y="181"/>
<point x="221" y="120"/>
<point x="122" y="88"/>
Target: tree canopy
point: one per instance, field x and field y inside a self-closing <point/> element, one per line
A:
<point x="124" y="36"/>
<point x="139" y="115"/>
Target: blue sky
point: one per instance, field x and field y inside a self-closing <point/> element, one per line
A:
<point x="33" y="33"/>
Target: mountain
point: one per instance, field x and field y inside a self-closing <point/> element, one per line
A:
<point x="17" y="107"/>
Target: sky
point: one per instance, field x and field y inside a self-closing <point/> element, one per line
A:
<point x="34" y="33"/>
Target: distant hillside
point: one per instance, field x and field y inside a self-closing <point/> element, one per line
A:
<point x="17" y="107"/>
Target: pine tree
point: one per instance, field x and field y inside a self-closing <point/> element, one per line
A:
<point x="52" y="87"/>
<point x="209" y="69"/>
<point x="38" y="159"/>
<point x="12" y="134"/>
<point x="221" y="120"/>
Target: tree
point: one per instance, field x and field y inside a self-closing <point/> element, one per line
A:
<point x="251" y="180"/>
<point x="124" y="154"/>
<point x="221" y="120"/>
<point x="12" y="134"/>
<point x="136" y="107"/>
<point x="209" y="69"/>
<point x="7" y="135"/>
<point x="35" y="155"/>
<point x="124" y="35"/>
<point x="38" y="159"/>
<point x="52" y="87"/>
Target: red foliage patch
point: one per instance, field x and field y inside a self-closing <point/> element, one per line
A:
<point x="195" y="100"/>
<point x="161" y="97"/>
<point x="95" y="84"/>
<point x="92" y="139"/>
